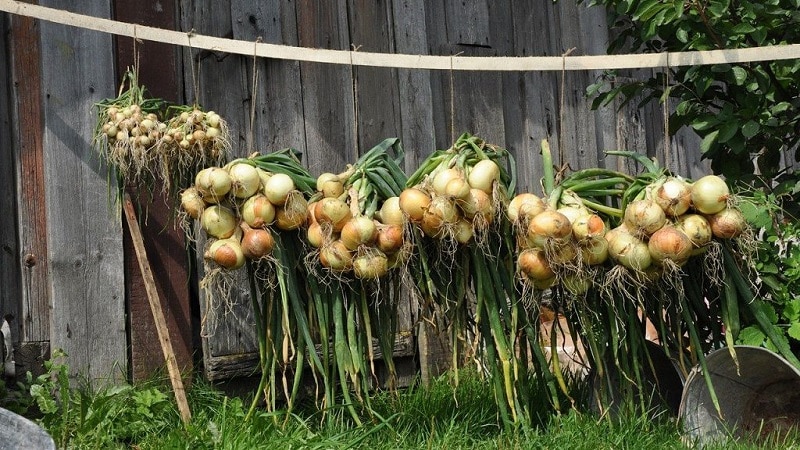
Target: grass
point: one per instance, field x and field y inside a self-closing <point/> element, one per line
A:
<point x="435" y="417"/>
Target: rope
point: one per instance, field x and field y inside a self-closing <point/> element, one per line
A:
<point x="403" y="61"/>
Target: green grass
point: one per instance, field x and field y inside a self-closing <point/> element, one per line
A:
<point x="435" y="417"/>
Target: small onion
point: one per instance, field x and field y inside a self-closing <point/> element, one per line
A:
<point x="697" y="228"/>
<point x="315" y="235"/>
<point x="332" y="211"/>
<point x="192" y="202"/>
<point x="218" y="221"/>
<point x="336" y="256"/>
<point x="593" y="250"/>
<point x="483" y="175"/>
<point x="669" y="243"/>
<point x="644" y="217"/>
<point x="257" y="211"/>
<point x="227" y="253"/>
<point x="245" y="180"/>
<point x="628" y="250"/>
<point x="524" y="206"/>
<point x="278" y="187"/>
<point x="257" y="242"/>
<point x="549" y="225"/>
<point x="359" y="230"/>
<point x="674" y="196"/>
<point x="330" y="185"/>
<point x="478" y="204"/>
<point x="588" y="226"/>
<point x="727" y="224"/>
<point x="294" y="212"/>
<point x="710" y="194"/>
<point x="413" y="202"/>
<point x="464" y="231"/>
<point x="533" y="263"/>
<point x="576" y="284"/>
<point x="573" y="213"/>
<point x="390" y="238"/>
<point x="390" y="212"/>
<point x="370" y="265"/>
<point x="214" y="182"/>
<point x="458" y="188"/>
<point x="444" y="209"/>
<point x="443" y="178"/>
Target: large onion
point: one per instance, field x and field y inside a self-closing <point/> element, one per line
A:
<point x="359" y="230"/>
<point x="278" y="187"/>
<point x="533" y="263"/>
<point x="483" y="175"/>
<point x="628" y="250"/>
<point x="370" y="265"/>
<point x="524" y="206"/>
<point x="414" y="202"/>
<point x="390" y="212"/>
<point x="697" y="228"/>
<point x="710" y="194"/>
<point x="727" y="224"/>
<point x="674" y="196"/>
<point x="257" y="211"/>
<point x="444" y="209"/>
<point x="256" y="242"/>
<point x="644" y="217"/>
<point x="218" y="221"/>
<point x="669" y="243"/>
<point x="245" y="180"/>
<point x="213" y="183"/>
<point x="227" y="253"/>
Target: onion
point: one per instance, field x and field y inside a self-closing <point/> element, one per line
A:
<point x="588" y="226"/>
<point x="359" y="230"/>
<point x="227" y="253"/>
<point x="213" y="182"/>
<point x="628" y="250"/>
<point x="413" y="202"/>
<point x="483" y="175"/>
<point x="192" y="202"/>
<point x="549" y="225"/>
<point x="727" y="224"/>
<point x="278" y="187"/>
<point x="669" y="243"/>
<point x="294" y="212"/>
<point x="710" y="194"/>
<point x="443" y="178"/>
<point x="464" y="231"/>
<point x="315" y="235"/>
<point x="594" y="250"/>
<point x="330" y="185"/>
<point x="444" y="209"/>
<point x="576" y="284"/>
<point x="390" y="212"/>
<point x="524" y="206"/>
<point x="478" y="204"/>
<point x="256" y="242"/>
<point x="674" y="196"/>
<point x="390" y="238"/>
<point x="644" y="217"/>
<point x="245" y="180"/>
<point x="458" y="188"/>
<point x="370" y="265"/>
<point x="573" y="213"/>
<point x="336" y="256"/>
<point x="218" y="221"/>
<point x="697" y="228"/>
<point x="332" y="211"/>
<point x="533" y="263"/>
<point x="257" y="211"/>
<point x="563" y="252"/>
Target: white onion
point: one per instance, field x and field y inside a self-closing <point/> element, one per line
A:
<point x="390" y="212"/>
<point x="478" y="204"/>
<point x="214" y="182"/>
<point x="332" y="211"/>
<point x="257" y="211"/>
<point x="413" y="202"/>
<point x="644" y="217"/>
<point x="674" y="196"/>
<point x="697" y="228"/>
<point x="218" y="221"/>
<point x="330" y="185"/>
<point x="483" y="175"/>
<point x="245" y="180"/>
<point x="464" y="231"/>
<point x="524" y="206"/>
<point x="573" y="213"/>
<point x="442" y="178"/>
<point x="192" y="202"/>
<point x="710" y="194"/>
<point x="278" y="187"/>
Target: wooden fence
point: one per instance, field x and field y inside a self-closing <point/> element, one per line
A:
<point x="68" y="272"/>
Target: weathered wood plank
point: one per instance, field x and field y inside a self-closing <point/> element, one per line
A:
<point x="33" y="321"/>
<point x="85" y="249"/>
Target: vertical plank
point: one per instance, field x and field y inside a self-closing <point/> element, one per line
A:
<point x="85" y="246"/>
<point x="328" y="103"/>
<point x="163" y="240"/>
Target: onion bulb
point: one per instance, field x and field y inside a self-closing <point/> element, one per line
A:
<point x="332" y="211"/>
<point x="315" y="235"/>
<point x="226" y="253"/>
<point x="549" y="225"/>
<point x="330" y="185"/>
<point x="644" y="217"/>
<point x="478" y="204"/>
<point x="256" y="242"/>
<point x="524" y="206"/>
<point x="593" y="250"/>
<point x="359" y="230"/>
<point x="464" y="231"/>
<point x="710" y="194"/>
<point x="336" y="256"/>
<point x="218" y="221"/>
<point x="674" y="196"/>
<point x="390" y="212"/>
<point x="588" y="226"/>
<point x="370" y="265"/>
<point x="257" y="211"/>
<point x="390" y="238"/>
<point x="442" y="178"/>
<point x="573" y="213"/>
<point x="628" y="250"/>
<point x="213" y="182"/>
<point x="697" y="228"/>
<point x="444" y="209"/>
<point x="192" y="202"/>
<point x="727" y="224"/>
<point x="245" y="180"/>
<point x="414" y="202"/>
<point x="483" y="175"/>
<point x="294" y="212"/>
<point x="278" y="187"/>
<point x="669" y="243"/>
<point x="533" y="263"/>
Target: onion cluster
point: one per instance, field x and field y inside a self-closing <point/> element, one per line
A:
<point x="132" y="135"/>
<point x="454" y="202"/>
<point x="197" y="134"/>
<point x="237" y="205"/>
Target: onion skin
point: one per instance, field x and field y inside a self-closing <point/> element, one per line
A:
<point x="256" y="242"/>
<point x="478" y="204"/>
<point x="483" y="175"/>
<point x="359" y="230"/>
<point x="258" y="212"/>
<point x="628" y="250"/>
<point x="390" y="212"/>
<point x="523" y="207"/>
<point x="674" y="196"/>
<point x="414" y="202"/>
<point x="245" y="180"/>
<point x="594" y="251"/>
<point x="727" y="224"/>
<point x="330" y="185"/>
<point x="332" y="211"/>
<point x="390" y="238"/>
<point x="192" y="202"/>
<point x="278" y="187"/>
<point x="534" y="264"/>
<point x="548" y="225"/>
<point x="336" y="256"/>
<point x="697" y="228"/>
<point x="218" y="221"/>
<point x="669" y="243"/>
<point x="370" y="266"/>
<point x="213" y="182"/>
<point x="227" y="253"/>
<point x="644" y="217"/>
<point x="710" y="194"/>
<point x="588" y="226"/>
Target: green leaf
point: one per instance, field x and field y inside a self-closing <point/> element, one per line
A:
<point x="752" y="336"/>
<point x="718" y="8"/>
<point x="750" y="129"/>
<point x="794" y="331"/>
<point x="739" y="75"/>
<point x="708" y="141"/>
<point x="727" y="131"/>
<point x="743" y="28"/>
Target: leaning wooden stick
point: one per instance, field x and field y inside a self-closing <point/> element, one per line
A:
<point x="158" y="313"/>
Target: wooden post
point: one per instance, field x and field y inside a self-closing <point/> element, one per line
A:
<point x="158" y="313"/>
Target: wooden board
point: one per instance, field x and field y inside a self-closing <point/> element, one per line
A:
<point x="84" y="234"/>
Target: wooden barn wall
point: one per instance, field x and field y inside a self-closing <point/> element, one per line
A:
<point x="332" y="113"/>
